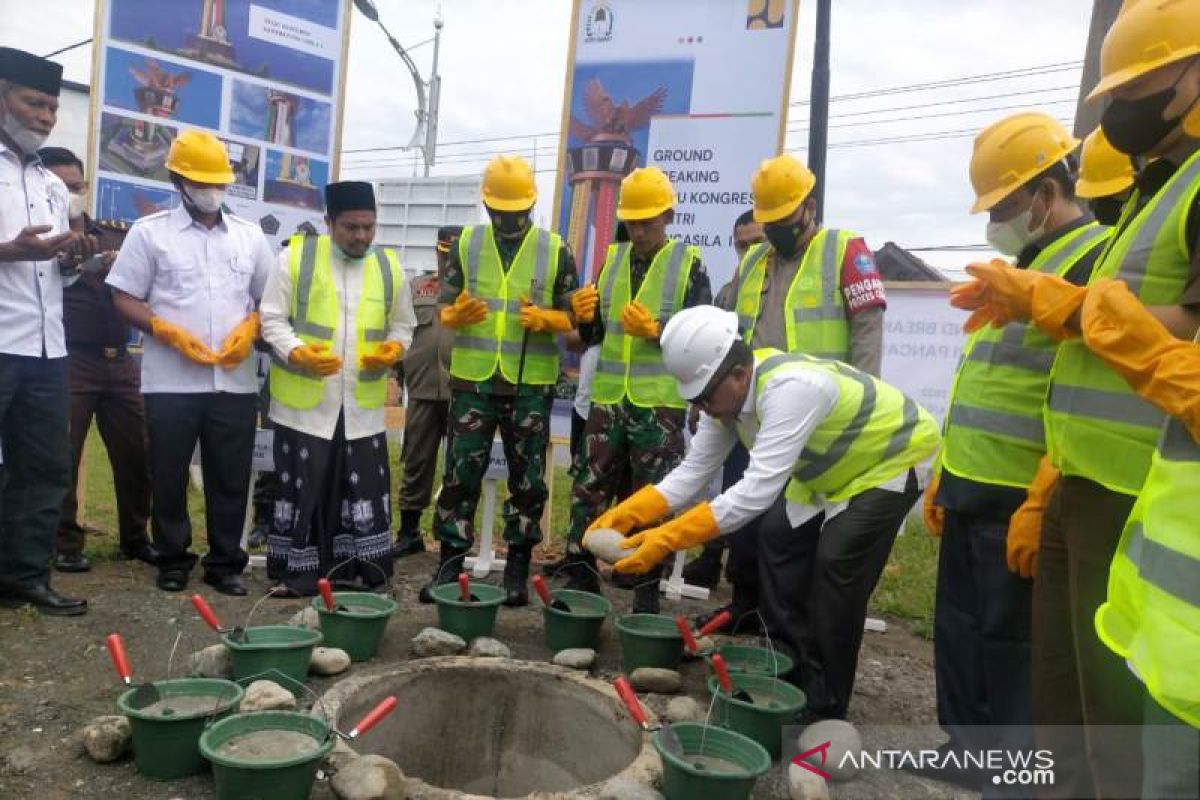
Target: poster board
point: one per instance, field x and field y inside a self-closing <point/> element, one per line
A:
<point x="923" y="341"/>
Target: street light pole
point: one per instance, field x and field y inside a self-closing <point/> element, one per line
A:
<point x="435" y="96"/>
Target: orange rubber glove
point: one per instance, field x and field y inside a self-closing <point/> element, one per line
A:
<point x="544" y="320"/>
<point x="239" y="342"/>
<point x="641" y="508"/>
<point x="1164" y="370"/>
<point x="1025" y="525"/>
<point x="316" y="359"/>
<point x="465" y="311"/>
<point x="638" y="322"/>
<point x="186" y="343"/>
<point x="1055" y="304"/>
<point x="387" y="354"/>
<point x="695" y="527"/>
<point x="998" y="295"/>
<point x="584" y="302"/>
<point x="935" y="515"/>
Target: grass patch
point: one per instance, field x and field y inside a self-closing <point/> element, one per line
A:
<point x="907" y="587"/>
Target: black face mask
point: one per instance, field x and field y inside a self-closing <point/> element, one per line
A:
<point x="785" y="237"/>
<point x="1135" y="126"/>
<point x="1106" y="210"/>
<point x="509" y="224"/>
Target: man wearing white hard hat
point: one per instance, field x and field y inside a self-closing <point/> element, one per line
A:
<point x="823" y="437"/>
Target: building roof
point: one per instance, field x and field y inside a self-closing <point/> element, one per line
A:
<point x="897" y="264"/>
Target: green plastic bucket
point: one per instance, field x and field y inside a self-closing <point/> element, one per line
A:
<point x="468" y="620"/>
<point x="579" y="627"/>
<point x="359" y="629"/>
<point x="649" y="640"/>
<point x="756" y="660"/>
<point x="684" y="780"/>
<point x="267" y="650"/>
<point x="279" y="779"/>
<point x="167" y="746"/>
<point x="775" y="704"/>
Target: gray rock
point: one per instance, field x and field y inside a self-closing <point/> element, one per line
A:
<point x="369" y="778"/>
<point x="624" y="787"/>
<point x="19" y="759"/>
<point x="107" y="738"/>
<point x="607" y="545"/>
<point x="685" y="709"/>
<point x="437" y="642"/>
<point x="267" y="696"/>
<point x="328" y="661"/>
<point x="341" y="755"/>
<point x="805" y="784"/>
<point x="485" y="647"/>
<point x="306" y="617"/>
<point x="654" y="679"/>
<point x="842" y="736"/>
<point x="575" y="658"/>
<point x="214" y="661"/>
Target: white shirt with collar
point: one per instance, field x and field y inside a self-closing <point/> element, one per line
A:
<point x="205" y="280"/>
<point x="31" y="322"/>
<point x="278" y="332"/>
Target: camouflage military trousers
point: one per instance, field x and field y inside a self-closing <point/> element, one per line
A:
<point x="622" y="439"/>
<point x="524" y="424"/>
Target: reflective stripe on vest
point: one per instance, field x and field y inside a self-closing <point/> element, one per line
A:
<point x="315" y="308"/>
<point x="994" y="431"/>
<point x="873" y="434"/>
<point x="815" y="313"/>
<point x="1096" y="427"/>
<point x="495" y="344"/>
<point x="631" y="366"/>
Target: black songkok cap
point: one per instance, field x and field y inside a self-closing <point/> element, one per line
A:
<point x="348" y="196"/>
<point x="30" y="71"/>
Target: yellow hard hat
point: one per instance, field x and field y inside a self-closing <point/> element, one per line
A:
<point x="508" y="184"/>
<point x="645" y="193"/>
<point x="780" y="185"/>
<point x="1103" y="170"/>
<point x="199" y="156"/>
<point x="1146" y="35"/>
<point x="1012" y="151"/>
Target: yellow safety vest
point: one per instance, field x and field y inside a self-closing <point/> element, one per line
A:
<point x="873" y="434"/>
<point x="815" y="312"/>
<point x="1096" y="427"/>
<point x="631" y="366"/>
<point x="480" y="349"/>
<point x="994" y="431"/>
<point x="315" y="311"/>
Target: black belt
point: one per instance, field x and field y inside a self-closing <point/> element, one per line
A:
<point x="109" y="352"/>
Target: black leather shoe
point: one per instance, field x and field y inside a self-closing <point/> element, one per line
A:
<point x="145" y="552"/>
<point x="746" y="621"/>
<point x="172" y="580"/>
<point x="44" y="599"/>
<point x="408" y="544"/>
<point x="704" y="571"/>
<point x="581" y="573"/>
<point x="516" y="576"/>
<point x="72" y="562"/>
<point x="226" y="584"/>
<point x="645" y="595"/>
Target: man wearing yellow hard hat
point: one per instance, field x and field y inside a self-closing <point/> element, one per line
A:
<point x="637" y="416"/>
<point x="506" y="294"/>
<point x="1023" y="172"/>
<point x="1105" y="178"/>
<point x="1100" y="435"/>
<point x="191" y="277"/>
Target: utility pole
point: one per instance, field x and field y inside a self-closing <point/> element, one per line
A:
<point x="435" y="92"/>
<point x="818" y="109"/>
<point x="1087" y="115"/>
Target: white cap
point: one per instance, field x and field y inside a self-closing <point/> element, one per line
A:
<point x="694" y="345"/>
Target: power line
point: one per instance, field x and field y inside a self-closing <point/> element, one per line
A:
<point x="942" y="114"/>
<point x="957" y="101"/>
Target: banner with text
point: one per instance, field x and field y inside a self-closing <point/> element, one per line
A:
<point x="697" y="88"/>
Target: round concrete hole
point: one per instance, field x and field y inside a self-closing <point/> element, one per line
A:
<point x="495" y="728"/>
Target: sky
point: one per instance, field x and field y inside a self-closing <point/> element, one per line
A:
<point x="502" y="64"/>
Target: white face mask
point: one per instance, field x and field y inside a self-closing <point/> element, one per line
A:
<point x="28" y="140"/>
<point x="76" y="205"/>
<point x="207" y="199"/>
<point x="1012" y="236"/>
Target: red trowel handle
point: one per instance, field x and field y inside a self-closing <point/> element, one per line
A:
<point x="206" y="613"/>
<point x="716" y="623"/>
<point x="464" y="587"/>
<point x="539" y="586"/>
<point x="685" y="630"/>
<point x="625" y="692"/>
<point x="373" y="716"/>
<point x="722" y="671"/>
<point x="116" y="649"/>
<point x="326" y="593"/>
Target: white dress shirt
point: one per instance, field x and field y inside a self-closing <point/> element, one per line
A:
<point x="277" y="329"/>
<point x="206" y="281"/>
<point x="588" y="362"/>
<point x="30" y="291"/>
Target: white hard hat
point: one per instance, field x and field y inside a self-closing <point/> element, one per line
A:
<point x="695" y="343"/>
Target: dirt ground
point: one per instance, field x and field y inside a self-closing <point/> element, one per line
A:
<point x="55" y="675"/>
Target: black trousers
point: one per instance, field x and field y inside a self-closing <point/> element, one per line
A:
<point x="34" y="408"/>
<point x="815" y="581"/>
<point x="981" y="635"/>
<point x="223" y="424"/>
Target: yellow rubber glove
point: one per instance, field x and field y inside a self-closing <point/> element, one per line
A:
<point x="239" y="342"/>
<point x="466" y="310"/>
<point x="584" y="302"/>
<point x="316" y="359"/>
<point x="638" y="322"/>
<point x="1055" y="305"/>
<point x="186" y="343"/>
<point x="641" y="508"/>
<point x="387" y="354"/>
<point x="544" y="320"/>
<point x="998" y="295"/>
<point x="1162" y="369"/>
<point x="1025" y="525"/>
<point x="935" y="515"/>
<point x="695" y="527"/>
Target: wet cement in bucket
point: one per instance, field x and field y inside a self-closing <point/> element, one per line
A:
<point x="269" y="746"/>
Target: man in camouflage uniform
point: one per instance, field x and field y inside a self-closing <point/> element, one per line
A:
<point x="637" y="417"/>
<point x="506" y="295"/>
